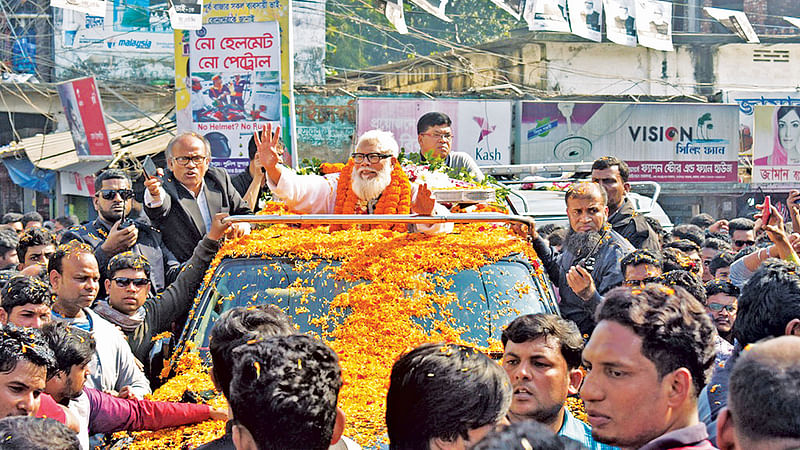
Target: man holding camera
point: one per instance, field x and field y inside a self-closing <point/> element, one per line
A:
<point x="589" y="262"/>
<point x="112" y="233"/>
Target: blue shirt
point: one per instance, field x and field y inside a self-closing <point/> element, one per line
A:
<point x="576" y="430"/>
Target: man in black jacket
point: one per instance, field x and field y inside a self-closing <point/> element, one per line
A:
<point x="612" y="173"/>
<point x="141" y="316"/>
<point x="589" y="262"/>
<point x="191" y="193"/>
<point x="109" y="236"/>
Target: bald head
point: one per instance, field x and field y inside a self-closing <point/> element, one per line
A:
<point x="764" y="393"/>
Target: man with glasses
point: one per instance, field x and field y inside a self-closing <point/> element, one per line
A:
<point x="742" y="233"/>
<point x="721" y="306"/>
<point x="142" y="316"/>
<point x="435" y="137"/>
<point x="641" y="267"/>
<point x="110" y="234"/>
<point x="183" y="204"/>
<point x="371" y="170"/>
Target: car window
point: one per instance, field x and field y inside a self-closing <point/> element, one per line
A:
<point x="486" y="299"/>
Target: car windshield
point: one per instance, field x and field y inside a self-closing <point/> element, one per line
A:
<point x="488" y="298"/>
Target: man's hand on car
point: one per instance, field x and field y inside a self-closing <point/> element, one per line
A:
<point x="581" y="282"/>
<point x="119" y="240"/>
<point x="218" y="228"/>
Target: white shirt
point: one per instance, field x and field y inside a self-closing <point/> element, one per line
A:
<point x="202" y="203"/>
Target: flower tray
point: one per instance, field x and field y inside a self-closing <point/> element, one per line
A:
<point x="464" y="195"/>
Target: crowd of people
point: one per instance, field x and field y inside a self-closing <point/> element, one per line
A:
<point x="681" y="338"/>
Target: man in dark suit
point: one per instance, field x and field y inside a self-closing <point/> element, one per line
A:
<point x="109" y="236"/>
<point x="191" y="193"/>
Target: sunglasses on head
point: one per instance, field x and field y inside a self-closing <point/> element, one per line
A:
<point x="744" y="243"/>
<point x="110" y="194"/>
<point x="719" y="307"/>
<point x="125" y="281"/>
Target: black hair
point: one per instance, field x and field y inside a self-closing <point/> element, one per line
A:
<point x="23" y="290"/>
<point x="675" y="329"/>
<point x="534" y="326"/>
<point x="674" y="259"/>
<point x="716" y="244"/>
<point x="702" y="220"/>
<point x="684" y="245"/>
<point x="237" y="326"/>
<point x="724" y="259"/>
<point x="71" y="345"/>
<point x="110" y="174"/>
<point x="68" y="221"/>
<point x="764" y="390"/>
<point x="8" y="241"/>
<point x="715" y="287"/>
<point x="432" y="119"/>
<point x="11" y="217"/>
<point x="607" y="162"/>
<point x="33" y="433"/>
<point x="33" y="237"/>
<point x="585" y="189"/>
<point x="128" y="260"/>
<point x="640" y="256"/>
<point x="23" y="344"/>
<point x="443" y="391"/>
<point x="526" y="435"/>
<point x="285" y="390"/>
<point x="769" y="300"/>
<point x="687" y="280"/>
<point x="557" y="237"/>
<point x="32" y="216"/>
<point x="72" y="247"/>
<point x="784" y="110"/>
<point x="656" y="226"/>
<point x="689" y="232"/>
<point x="740" y="223"/>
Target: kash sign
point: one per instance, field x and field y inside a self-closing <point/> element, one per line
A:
<point x="481" y="128"/>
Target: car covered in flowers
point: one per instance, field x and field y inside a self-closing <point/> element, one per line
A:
<point x="371" y="295"/>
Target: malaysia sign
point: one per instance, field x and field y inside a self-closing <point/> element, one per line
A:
<point x="660" y="142"/>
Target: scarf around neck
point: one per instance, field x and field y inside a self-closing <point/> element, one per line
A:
<point x="124" y="321"/>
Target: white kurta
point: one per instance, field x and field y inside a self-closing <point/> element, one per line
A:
<point x="314" y="194"/>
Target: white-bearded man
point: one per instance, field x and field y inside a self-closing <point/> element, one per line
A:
<point x="372" y="182"/>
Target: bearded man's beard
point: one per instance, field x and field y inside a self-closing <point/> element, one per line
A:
<point x="581" y="243"/>
<point x="370" y="189"/>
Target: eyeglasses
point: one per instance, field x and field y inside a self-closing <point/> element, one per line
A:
<point x="437" y="136"/>
<point x="184" y="160"/>
<point x="110" y="194"/>
<point x="125" y="281"/>
<point x="371" y="157"/>
<point x="743" y="243"/>
<point x="643" y="281"/>
<point x="716" y="307"/>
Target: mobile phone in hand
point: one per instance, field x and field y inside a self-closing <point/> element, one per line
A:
<point x="766" y="210"/>
<point x="150" y="169"/>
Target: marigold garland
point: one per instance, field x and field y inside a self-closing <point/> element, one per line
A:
<point x="395" y="199"/>
<point x="374" y="322"/>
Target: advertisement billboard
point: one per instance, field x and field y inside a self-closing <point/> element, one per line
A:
<point x="233" y="75"/>
<point x="84" y="112"/>
<point x="776" y="144"/>
<point x="481" y="128"/>
<point x="660" y="142"/>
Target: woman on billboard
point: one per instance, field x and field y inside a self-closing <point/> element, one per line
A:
<point x="786" y="148"/>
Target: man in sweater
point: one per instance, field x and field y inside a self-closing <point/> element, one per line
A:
<point x="142" y="316"/>
<point x="74" y="278"/>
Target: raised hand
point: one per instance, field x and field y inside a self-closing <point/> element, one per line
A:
<point x="269" y="155"/>
<point x="424" y="202"/>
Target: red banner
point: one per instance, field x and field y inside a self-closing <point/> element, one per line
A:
<point x="84" y="112"/>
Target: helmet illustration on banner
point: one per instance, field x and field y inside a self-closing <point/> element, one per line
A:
<point x="219" y="145"/>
